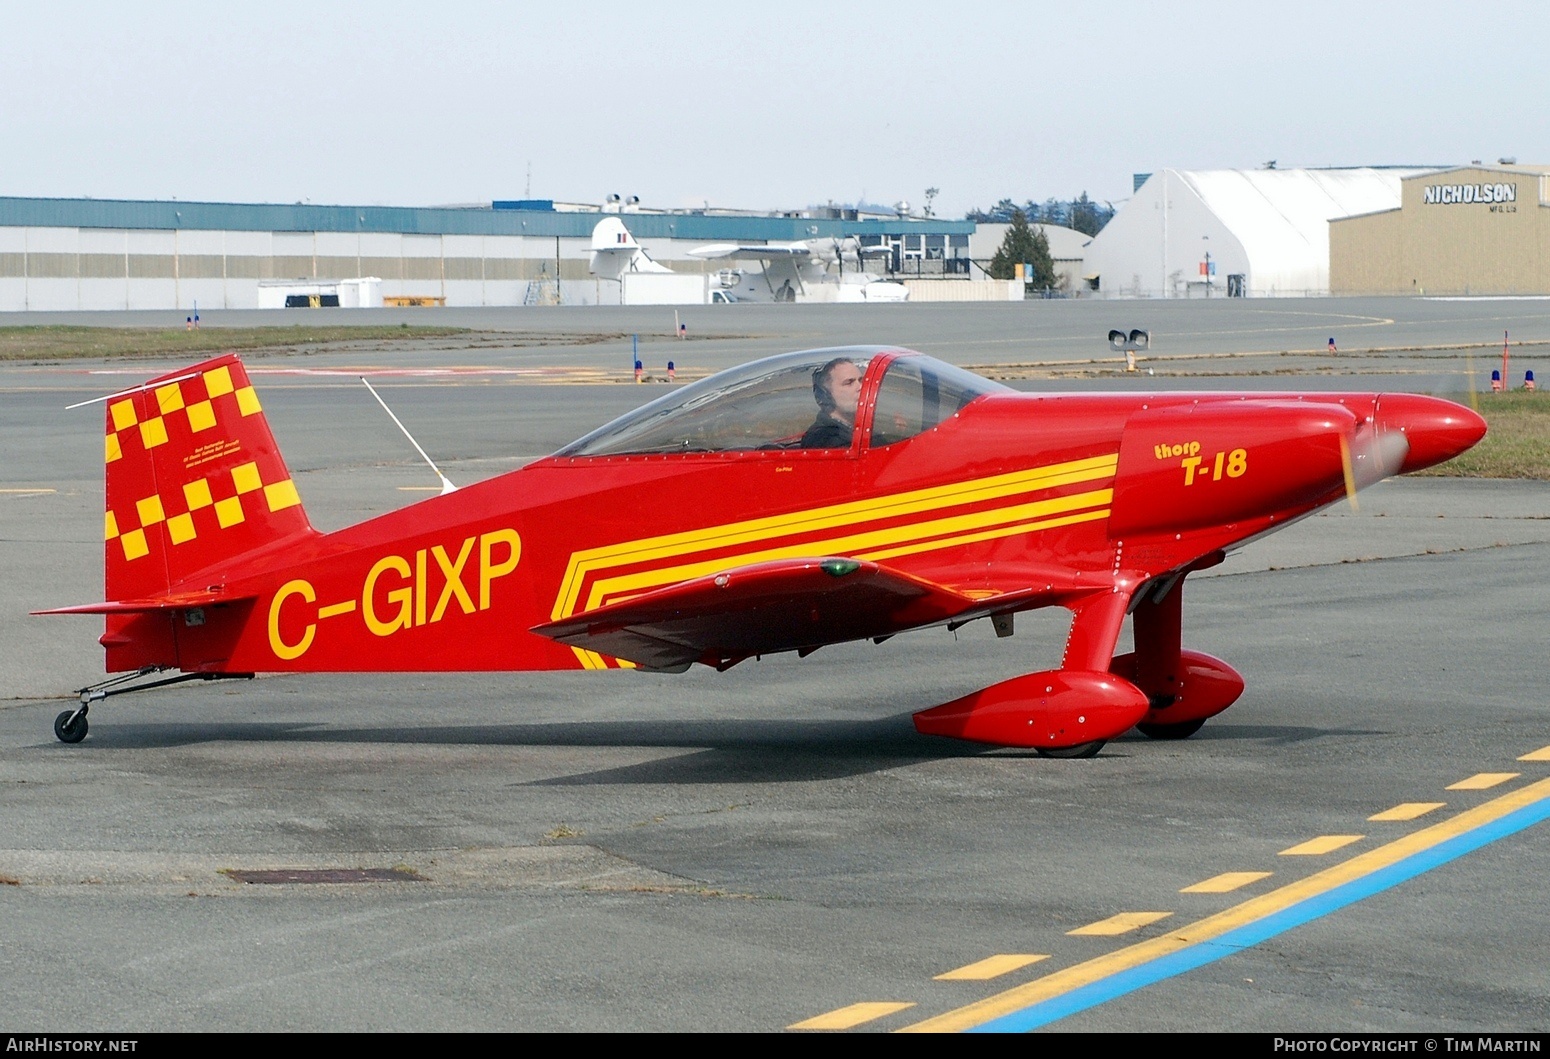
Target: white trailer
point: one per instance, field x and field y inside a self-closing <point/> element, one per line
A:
<point x="665" y="288"/>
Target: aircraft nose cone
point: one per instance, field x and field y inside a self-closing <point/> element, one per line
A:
<point x="1437" y="430"/>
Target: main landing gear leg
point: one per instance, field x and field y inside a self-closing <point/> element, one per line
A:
<point x="1184" y="687"/>
<point x="1095" y="627"/>
<point x="1159" y="629"/>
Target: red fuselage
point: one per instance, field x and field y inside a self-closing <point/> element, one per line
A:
<point x="1012" y="489"/>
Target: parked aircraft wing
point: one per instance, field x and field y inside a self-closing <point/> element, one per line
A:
<point x="752" y="250"/>
<point x="783" y="605"/>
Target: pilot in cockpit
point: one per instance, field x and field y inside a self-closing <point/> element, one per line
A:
<point x="837" y="389"/>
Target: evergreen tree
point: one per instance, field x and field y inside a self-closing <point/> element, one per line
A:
<point x="1087" y="216"/>
<point x="1023" y="245"/>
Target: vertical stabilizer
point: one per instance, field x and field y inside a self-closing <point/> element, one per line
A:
<point x="615" y="251"/>
<point x="193" y="478"/>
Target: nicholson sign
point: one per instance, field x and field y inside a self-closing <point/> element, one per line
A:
<point x="1447" y="194"/>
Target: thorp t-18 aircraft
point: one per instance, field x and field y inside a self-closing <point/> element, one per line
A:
<point x="803" y="500"/>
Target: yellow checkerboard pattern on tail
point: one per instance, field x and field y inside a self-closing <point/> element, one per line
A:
<point x="194" y="478"/>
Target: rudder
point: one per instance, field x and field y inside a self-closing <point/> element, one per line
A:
<point x="194" y="477"/>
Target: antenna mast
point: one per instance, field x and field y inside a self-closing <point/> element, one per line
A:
<point x="446" y="486"/>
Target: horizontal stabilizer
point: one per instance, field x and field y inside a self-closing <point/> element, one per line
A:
<point x="763" y="608"/>
<point x="179" y="601"/>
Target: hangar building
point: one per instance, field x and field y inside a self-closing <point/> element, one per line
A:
<point x="69" y="254"/>
<point x="1233" y="232"/>
<point x="1472" y="230"/>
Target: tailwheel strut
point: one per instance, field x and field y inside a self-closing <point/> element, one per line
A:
<point x="71" y="727"/>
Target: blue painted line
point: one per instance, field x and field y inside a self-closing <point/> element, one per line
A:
<point x="1250" y="934"/>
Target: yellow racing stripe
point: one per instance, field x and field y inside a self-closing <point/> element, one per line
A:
<point x="813" y="519"/>
<point x="855" y="543"/>
<point x="975" y="538"/>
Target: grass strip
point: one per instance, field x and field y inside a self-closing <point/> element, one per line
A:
<point x="1516" y="445"/>
<point x="65" y="342"/>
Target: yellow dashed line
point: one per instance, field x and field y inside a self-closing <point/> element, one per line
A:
<point x="1068" y="979"/>
<point x="1323" y="844"/>
<point x="1542" y="754"/>
<point x="1482" y="781"/>
<point x="1408" y="811"/>
<point x="991" y="967"/>
<point x="1226" y="882"/>
<point x="851" y="1015"/>
<point x="1123" y="923"/>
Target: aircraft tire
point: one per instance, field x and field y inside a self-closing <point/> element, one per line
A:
<point x="1182" y="730"/>
<point x="1080" y="750"/>
<point x="67" y="731"/>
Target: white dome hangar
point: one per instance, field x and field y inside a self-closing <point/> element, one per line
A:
<point x="1234" y="232"/>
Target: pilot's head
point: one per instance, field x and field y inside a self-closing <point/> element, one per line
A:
<point x="837" y="387"/>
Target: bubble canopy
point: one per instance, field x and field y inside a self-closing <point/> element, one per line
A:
<point x="772" y="403"/>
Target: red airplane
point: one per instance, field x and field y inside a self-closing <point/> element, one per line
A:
<point x="802" y="500"/>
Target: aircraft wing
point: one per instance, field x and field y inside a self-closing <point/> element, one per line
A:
<point x="752" y="250"/>
<point x="783" y="605"/>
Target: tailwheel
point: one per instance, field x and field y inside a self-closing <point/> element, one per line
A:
<point x="1180" y="730"/>
<point x="70" y="726"/>
<point x="1080" y="750"/>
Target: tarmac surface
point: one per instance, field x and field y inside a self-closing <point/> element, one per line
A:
<point x="754" y="849"/>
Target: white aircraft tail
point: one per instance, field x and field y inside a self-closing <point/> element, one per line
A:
<point x="615" y="251"/>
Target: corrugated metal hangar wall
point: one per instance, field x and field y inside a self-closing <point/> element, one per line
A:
<point x="68" y="254"/>
<point x="1472" y="230"/>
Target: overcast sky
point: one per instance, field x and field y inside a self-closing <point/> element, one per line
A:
<point x="746" y="104"/>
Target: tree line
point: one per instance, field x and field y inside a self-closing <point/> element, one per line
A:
<point x="1081" y="213"/>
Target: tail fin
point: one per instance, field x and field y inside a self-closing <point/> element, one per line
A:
<point x="615" y="251"/>
<point x="193" y="478"/>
